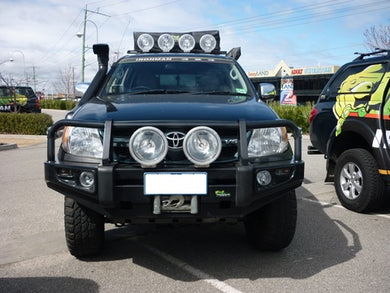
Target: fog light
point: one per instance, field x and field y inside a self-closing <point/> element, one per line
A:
<point x="87" y="179"/>
<point x="263" y="178"/>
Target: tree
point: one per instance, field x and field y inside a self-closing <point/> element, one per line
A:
<point x="9" y="98"/>
<point x="66" y="82"/>
<point x="378" y="37"/>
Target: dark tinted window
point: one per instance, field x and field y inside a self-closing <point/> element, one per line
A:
<point x="353" y="77"/>
<point x="189" y="75"/>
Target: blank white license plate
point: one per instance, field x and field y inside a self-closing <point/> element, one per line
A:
<point x="165" y="183"/>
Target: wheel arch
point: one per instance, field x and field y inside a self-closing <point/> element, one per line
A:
<point x="355" y="134"/>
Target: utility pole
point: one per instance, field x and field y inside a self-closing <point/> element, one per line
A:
<point x="34" y="80"/>
<point x="83" y="53"/>
<point x="83" y="35"/>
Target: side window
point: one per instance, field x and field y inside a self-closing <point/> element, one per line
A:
<point x="357" y="79"/>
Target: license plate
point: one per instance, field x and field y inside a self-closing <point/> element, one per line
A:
<point x="166" y="183"/>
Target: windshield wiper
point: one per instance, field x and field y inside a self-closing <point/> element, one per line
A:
<point x="158" y="91"/>
<point x="224" y="93"/>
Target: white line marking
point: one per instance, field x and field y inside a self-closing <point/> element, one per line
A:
<point x="322" y="203"/>
<point x="223" y="287"/>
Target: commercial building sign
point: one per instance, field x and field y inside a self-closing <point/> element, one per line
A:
<point x="282" y="68"/>
<point x="314" y="70"/>
<point x="287" y="96"/>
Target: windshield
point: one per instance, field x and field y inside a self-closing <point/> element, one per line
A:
<point x="193" y="75"/>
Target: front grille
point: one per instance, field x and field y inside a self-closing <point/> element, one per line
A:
<point x="175" y="137"/>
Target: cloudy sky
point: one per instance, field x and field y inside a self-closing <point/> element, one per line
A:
<point x="40" y="35"/>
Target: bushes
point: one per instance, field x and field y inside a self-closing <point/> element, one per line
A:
<point x="57" y="104"/>
<point x="24" y="123"/>
<point x="297" y="114"/>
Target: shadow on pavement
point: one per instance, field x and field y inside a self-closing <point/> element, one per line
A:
<point x="221" y="250"/>
<point x="48" y="284"/>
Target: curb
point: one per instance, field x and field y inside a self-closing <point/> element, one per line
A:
<point x="7" y="146"/>
<point x="13" y="141"/>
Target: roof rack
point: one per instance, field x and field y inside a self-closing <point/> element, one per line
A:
<point x="377" y="51"/>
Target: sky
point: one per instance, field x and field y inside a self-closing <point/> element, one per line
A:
<point x="40" y="36"/>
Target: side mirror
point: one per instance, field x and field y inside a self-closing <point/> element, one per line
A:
<point x="81" y="88"/>
<point x="267" y="91"/>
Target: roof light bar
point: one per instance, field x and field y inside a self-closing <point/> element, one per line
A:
<point x="194" y="42"/>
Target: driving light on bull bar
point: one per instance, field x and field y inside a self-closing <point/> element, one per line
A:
<point x="208" y="43"/>
<point x="202" y="146"/>
<point x="83" y="142"/>
<point x="166" y="42"/>
<point x="145" y="42"/>
<point x="148" y="146"/>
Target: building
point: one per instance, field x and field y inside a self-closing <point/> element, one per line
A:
<point x="304" y="83"/>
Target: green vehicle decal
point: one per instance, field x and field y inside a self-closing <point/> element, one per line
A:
<point x="361" y="94"/>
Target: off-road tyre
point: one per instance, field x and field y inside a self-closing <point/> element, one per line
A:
<point x="84" y="229"/>
<point x="360" y="166"/>
<point x="272" y="227"/>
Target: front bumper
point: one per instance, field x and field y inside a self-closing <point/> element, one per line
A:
<point x="118" y="189"/>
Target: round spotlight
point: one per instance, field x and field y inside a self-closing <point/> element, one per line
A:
<point x="186" y="42"/>
<point x="145" y="42"/>
<point x="148" y="146"/>
<point x="263" y="177"/>
<point x="166" y="42"/>
<point x="208" y="43"/>
<point x="87" y="179"/>
<point x="202" y="145"/>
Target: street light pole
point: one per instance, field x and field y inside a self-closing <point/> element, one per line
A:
<point x="24" y="65"/>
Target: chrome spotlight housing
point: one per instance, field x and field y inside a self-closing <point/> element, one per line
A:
<point x="148" y="146"/>
<point x="202" y="146"/>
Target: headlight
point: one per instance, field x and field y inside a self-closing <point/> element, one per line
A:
<point x="267" y="141"/>
<point x="80" y="141"/>
<point x="202" y="145"/>
<point x="148" y="146"/>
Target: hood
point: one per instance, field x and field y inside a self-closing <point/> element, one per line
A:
<point x="170" y="108"/>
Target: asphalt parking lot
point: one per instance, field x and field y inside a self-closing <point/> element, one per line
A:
<point x="334" y="250"/>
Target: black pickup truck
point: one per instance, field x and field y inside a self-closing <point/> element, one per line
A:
<point x="175" y="132"/>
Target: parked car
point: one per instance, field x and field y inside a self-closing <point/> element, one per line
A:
<point x="175" y="132"/>
<point x="350" y="124"/>
<point x="19" y="99"/>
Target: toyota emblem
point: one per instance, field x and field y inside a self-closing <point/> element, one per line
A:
<point x="175" y="139"/>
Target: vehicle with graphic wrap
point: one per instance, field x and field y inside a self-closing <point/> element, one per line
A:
<point x="18" y="99"/>
<point x="174" y="133"/>
<point x="350" y="124"/>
